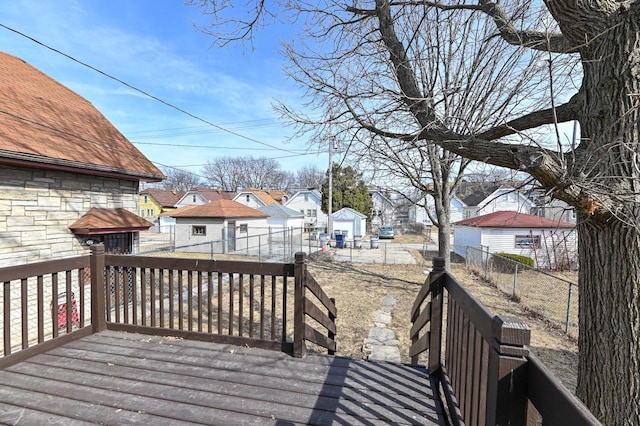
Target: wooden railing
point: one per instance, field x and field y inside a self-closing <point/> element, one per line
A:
<point x="265" y="305"/>
<point x="486" y="371"/>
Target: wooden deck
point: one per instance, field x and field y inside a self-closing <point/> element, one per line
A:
<point x="121" y="378"/>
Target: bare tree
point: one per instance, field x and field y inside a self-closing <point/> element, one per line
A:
<point x="599" y="175"/>
<point x="237" y="173"/>
<point x="309" y="177"/>
<point x="179" y="180"/>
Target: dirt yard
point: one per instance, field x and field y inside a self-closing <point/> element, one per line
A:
<point x="360" y="288"/>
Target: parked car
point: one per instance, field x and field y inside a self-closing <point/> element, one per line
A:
<point x="386" y="231"/>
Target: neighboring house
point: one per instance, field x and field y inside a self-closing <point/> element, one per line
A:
<point x="309" y="203"/>
<point x="220" y="226"/>
<point x="68" y="177"/>
<point x="351" y="221"/>
<point x="549" y="243"/>
<point x="154" y="202"/>
<point x="483" y="199"/>
<point x="383" y="210"/>
<point x="198" y="196"/>
<point x="551" y="208"/>
<point x="418" y="214"/>
<point x="255" y="198"/>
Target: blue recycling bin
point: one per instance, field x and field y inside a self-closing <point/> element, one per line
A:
<point x="340" y="243"/>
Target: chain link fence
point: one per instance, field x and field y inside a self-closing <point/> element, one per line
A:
<point x="278" y="245"/>
<point x="554" y="298"/>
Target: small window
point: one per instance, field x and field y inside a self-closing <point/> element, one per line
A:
<point x="243" y="228"/>
<point x="198" y="230"/>
<point x="528" y="241"/>
<point x="146" y="198"/>
<point x="150" y="212"/>
<point x="248" y="198"/>
<point x="306" y="197"/>
<point x="142" y="212"/>
<point x="302" y="211"/>
<point x="194" y="199"/>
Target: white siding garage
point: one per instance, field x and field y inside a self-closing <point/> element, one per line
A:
<point x="546" y="241"/>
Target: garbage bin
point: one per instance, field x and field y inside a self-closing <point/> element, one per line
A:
<point x="357" y="241"/>
<point x="374" y="242"/>
<point x="340" y="241"/>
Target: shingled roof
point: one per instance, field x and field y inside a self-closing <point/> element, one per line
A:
<point x="44" y="124"/>
<point x="218" y="209"/>
<point x="511" y="219"/>
<point x="164" y="197"/>
<point x="107" y="221"/>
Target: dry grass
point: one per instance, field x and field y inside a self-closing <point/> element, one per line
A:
<point x="360" y="288"/>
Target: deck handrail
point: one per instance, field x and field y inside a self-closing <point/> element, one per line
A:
<point x="487" y="373"/>
<point x="244" y="303"/>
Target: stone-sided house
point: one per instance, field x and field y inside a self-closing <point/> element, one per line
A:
<point x="68" y="177"/>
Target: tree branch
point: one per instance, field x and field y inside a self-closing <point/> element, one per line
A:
<point x="563" y="113"/>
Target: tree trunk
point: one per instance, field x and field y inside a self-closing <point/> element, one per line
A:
<point x="609" y="245"/>
<point x="609" y="342"/>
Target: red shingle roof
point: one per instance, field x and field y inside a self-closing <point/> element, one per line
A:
<point x="163" y="197"/>
<point x="512" y="219"/>
<point x="218" y="209"/>
<point x="105" y="221"/>
<point x="44" y="124"/>
<point x="214" y="194"/>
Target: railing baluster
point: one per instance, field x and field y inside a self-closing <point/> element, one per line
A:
<point x="6" y="308"/>
<point x="273" y="308"/>
<point x="117" y="274"/>
<point x="180" y="300"/>
<point x="240" y="305"/>
<point x="41" y="307"/>
<point x="210" y="302"/>
<point x="24" y="307"/>
<point x="161" y="273"/>
<point x="220" y="302"/>
<point x="152" y="296"/>
<point x="171" y="296"/>
<point x="200" y="301"/>
<point x="143" y="296"/>
<point x="262" y="300"/>
<point x="69" y="302"/>
<point x="134" y="294"/>
<point x="81" y="295"/>
<point x="54" y="303"/>
<point x="190" y="300"/>
<point x="231" y="290"/>
<point x="252" y="300"/>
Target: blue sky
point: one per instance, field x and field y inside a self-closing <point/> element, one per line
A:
<point x="153" y="46"/>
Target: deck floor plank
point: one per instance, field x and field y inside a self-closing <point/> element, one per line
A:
<point x="120" y="378"/>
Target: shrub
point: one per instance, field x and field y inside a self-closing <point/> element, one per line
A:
<point x="506" y="262"/>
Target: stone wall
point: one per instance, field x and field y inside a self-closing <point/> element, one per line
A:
<point x="37" y="207"/>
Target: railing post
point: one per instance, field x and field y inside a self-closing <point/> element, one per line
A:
<point x="300" y="275"/>
<point x="507" y="400"/>
<point x="435" y="340"/>
<point x="98" y="322"/>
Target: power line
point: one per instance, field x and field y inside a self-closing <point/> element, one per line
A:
<point x="124" y="83"/>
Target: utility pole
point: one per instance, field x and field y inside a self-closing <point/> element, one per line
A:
<point x="330" y="202"/>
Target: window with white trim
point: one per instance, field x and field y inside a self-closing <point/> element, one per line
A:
<point x="527" y="241"/>
<point x="199" y="230"/>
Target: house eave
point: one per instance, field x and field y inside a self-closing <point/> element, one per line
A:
<point x="10" y="158"/>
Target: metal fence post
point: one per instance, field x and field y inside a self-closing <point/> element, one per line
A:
<point x="486" y="267"/>
<point x="515" y="280"/>
<point x="211" y="243"/>
<point x="568" y="321"/>
<point x="259" y="248"/>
